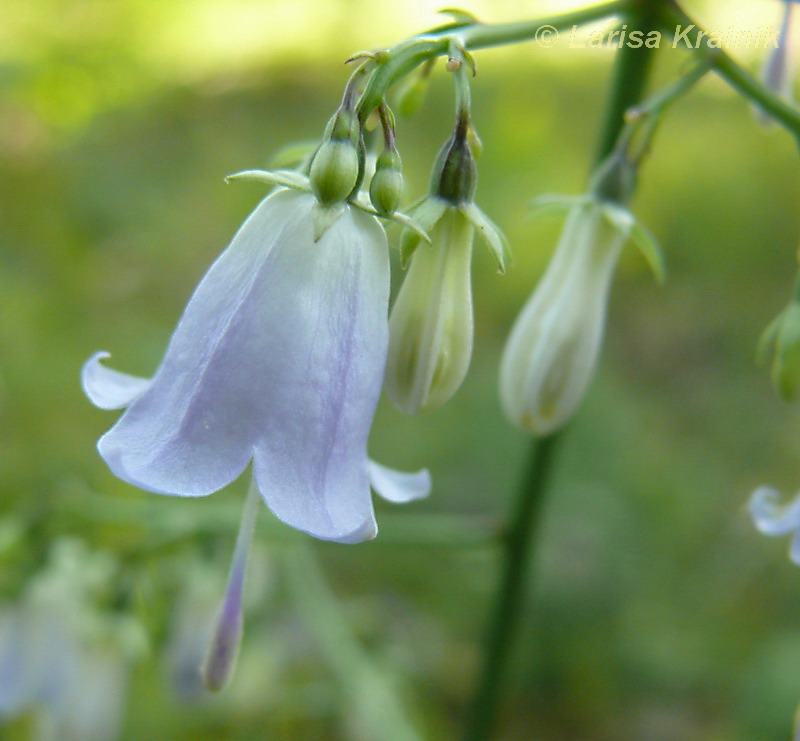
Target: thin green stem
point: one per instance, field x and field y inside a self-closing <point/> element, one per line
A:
<point x="405" y="56"/>
<point x="518" y="541"/>
<point x="788" y="116"/>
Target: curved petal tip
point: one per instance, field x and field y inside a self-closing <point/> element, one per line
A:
<point x="397" y="486"/>
<point x="107" y="388"/>
<point x="770" y="516"/>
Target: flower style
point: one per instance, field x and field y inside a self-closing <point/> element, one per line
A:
<point x="773" y="518"/>
<point x="555" y="342"/>
<point x="279" y="359"/>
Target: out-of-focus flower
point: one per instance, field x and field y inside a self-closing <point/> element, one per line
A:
<point x="61" y="656"/>
<point x="772" y="517"/>
<point x="555" y="342"/>
<point x="279" y="359"/>
<point x="777" y="71"/>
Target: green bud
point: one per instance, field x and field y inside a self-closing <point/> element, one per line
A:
<point x="334" y="171"/>
<point x="431" y="326"/>
<point x="455" y="175"/>
<point x="784" y="336"/>
<point x="386" y="186"/>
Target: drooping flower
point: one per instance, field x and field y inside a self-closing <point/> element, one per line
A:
<point x="771" y="517"/>
<point x="552" y="351"/>
<point x="431" y="324"/>
<point x="278" y="359"/>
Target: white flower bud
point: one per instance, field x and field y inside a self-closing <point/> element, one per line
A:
<point x="430" y="327"/>
<point x="553" y="347"/>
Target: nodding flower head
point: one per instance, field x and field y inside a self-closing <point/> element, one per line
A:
<point x="431" y="325"/>
<point x="552" y="351"/>
<point x="279" y="360"/>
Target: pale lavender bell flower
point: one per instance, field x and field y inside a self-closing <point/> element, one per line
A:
<point x="772" y="517"/>
<point x="279" y="360"/>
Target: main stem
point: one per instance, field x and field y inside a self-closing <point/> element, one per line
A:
<point x="631" y="73"/>
<point x="519" y="542"/>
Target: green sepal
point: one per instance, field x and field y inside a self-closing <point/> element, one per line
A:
<point x="324" y="217"/>
<point x="404" y="220"/>
<point x="490" y="233"/>
<point x="554" y="203"/>
<point x="285" y="178"/>
<point x="625" y="222"/>
<point x="768" y="339"/>
<point x="425" y="214"/>
<point x="460" y="16"/>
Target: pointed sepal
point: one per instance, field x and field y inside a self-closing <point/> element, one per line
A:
<point x="424" y="214"/>
<point x="490" y="233"/>
<point x="324" y="217"/>
<point x="285" y="178"/>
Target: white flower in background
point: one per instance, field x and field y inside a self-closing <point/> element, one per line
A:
<point x="279" y="360"/>
<point x="772" y="517"/>
<point x="61" y="656"/>
<point x="776" y="73"/>
<point x="555" y="342"/>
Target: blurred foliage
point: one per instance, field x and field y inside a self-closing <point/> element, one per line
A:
<point x="659" y="613"/>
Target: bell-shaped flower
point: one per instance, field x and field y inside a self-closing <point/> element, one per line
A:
<point x="279" y="360"/>
<point x="553" y="347"/>
<point x="771" y="517"/>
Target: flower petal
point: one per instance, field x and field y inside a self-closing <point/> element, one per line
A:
<point x="329" y="337"/>
<point x="770" y="516"/>
<point x="193" y="431"/>
<point x="110" y="389"/>
<point x="398" y="486"/>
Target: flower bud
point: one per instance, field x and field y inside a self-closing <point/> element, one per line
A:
<point x="784" y="336"/>
<point x="430" y="327"/>
<point x="335" y="167"/>
<point x="455" y="175"/>
<point x="334" y="171"/>
<point x="386" y="186"/>
<point x="555" y="342"/>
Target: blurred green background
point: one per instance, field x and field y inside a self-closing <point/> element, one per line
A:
<point x="659" y="613"/>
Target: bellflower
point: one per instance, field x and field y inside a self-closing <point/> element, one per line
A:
<point x="555" y="342"/>
<point x="279" y="360"/>
<point x="773" y="518"/>
<point x="431" y="325"/>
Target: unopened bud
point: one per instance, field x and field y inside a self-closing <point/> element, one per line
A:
<point x="386" y="186"/>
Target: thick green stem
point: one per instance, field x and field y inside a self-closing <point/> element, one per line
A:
<point x="630" y="79"/>
<point x="519" y="540"/>
<point x="631" y="71"/>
